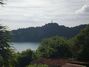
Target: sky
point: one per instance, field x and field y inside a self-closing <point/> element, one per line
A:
<point x="31" y="13"/>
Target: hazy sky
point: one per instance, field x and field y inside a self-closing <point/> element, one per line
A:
<point x="25" y="13"/>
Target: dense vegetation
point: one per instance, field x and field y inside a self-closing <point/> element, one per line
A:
<point x="55" y="47"/>
<point x="36" y="34"/>
<point x="6" y="53"/>
<point x="24" y="58"/>
<point x="82" y="42"/>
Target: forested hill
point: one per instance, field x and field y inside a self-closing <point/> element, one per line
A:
<point x="36" y="34"/>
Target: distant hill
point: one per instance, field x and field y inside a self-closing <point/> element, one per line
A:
<point x="36" y="34"/>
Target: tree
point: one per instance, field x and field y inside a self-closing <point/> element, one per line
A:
<point x="82" y="42"/>
<point x="5" y="49"/>
<point x="54" y="47"/>
<point x="24" y="58"/>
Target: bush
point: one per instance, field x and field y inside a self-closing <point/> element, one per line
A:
<point x="82" y="43"/>
<point x="54" y="47"/>
<point x="24" y="58"/>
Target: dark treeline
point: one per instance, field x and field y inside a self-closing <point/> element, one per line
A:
<point x="36" y="34"/>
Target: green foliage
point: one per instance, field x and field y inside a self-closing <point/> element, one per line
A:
<point x="37" y="65"/>
<point x="83" y="37"/>
<point x="6" y="53"/>
<point x="54" y="47"/>
<point x="82" y="42"/>
<point x="24" y="58"/>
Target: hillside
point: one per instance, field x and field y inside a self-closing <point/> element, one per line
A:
<point x="36" y="34"/>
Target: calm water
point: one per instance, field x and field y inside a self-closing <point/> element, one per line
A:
<point x="23" y="46"/>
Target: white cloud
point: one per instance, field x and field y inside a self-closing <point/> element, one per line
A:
<point x="83" y="10"/>
<point x="25" y="13"/>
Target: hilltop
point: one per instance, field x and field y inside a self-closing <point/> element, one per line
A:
<point x="36" y="34"/>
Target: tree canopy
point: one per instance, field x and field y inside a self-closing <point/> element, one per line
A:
<point x="82" y="42"/>
<point x="54" y="47"/>
<point x="5" y="48"/>
<point x="24" y="58"/>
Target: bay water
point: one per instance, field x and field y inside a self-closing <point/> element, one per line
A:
<point x="24" y="46"/>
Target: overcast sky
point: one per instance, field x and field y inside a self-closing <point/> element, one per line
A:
<point x="27" y="13"/>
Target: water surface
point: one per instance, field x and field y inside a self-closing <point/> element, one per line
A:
<point x="23" y="46"/>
